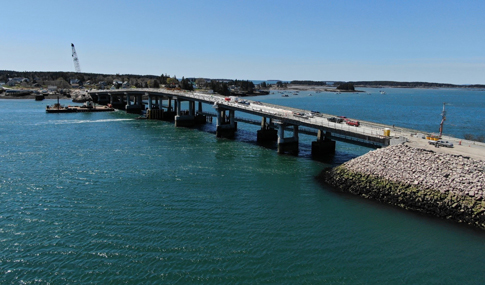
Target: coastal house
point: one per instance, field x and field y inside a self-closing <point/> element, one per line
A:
<point x="17" y="80"/>
<point x="75" y="83"/>
<point x="101" y="85"/>
<point x="117" y="83"/>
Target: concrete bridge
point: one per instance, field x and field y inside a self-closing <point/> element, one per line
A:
<point x="276" y="121"/>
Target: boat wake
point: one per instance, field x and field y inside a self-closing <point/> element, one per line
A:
<point x="66" y="122"/>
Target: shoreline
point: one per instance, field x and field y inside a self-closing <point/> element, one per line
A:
<point x="443" y="185"/>
<point x="323" y="88"/>
<point x="290" y="87"/>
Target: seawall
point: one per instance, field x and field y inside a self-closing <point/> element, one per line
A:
<point x="444" y="185"/>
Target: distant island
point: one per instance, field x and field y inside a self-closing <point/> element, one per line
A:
<point x="380" y="84"/>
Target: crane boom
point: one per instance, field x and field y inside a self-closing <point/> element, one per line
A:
<point x="77" y="67"/>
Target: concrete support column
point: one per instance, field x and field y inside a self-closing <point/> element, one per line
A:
<point x="177" y="106"/>
<point x="323" y="147"/>
<point x="219" y="117"/>
<point x="199" y="118"/>
<point x="169" y="104"/>
<point x="184" y="120"/>
<point x="231" y="118"/>
<point x="266" y="133"/>
<point x="281" y="132"/>
<point x="192" y="108"/>
<point x="149" y="102"/>
<point x="225" y="128"/>
<point x="139" y="101"/>
<point x="137" y="105"/>
<point x="287" y="145"/>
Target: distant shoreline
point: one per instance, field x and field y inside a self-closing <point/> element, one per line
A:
<point x="291" y="87"/>
<point x="326" y="88"/>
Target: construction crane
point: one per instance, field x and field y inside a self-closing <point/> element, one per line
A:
<point x="75" y="59"/>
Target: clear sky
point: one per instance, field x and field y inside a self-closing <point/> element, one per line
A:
<point x="435" y="41"/>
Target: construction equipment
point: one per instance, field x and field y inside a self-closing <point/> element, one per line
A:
<point x="443" y="119"/>
<point x="75" y="59"/>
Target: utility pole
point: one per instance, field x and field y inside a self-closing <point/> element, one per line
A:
<point x="443" y="119"/>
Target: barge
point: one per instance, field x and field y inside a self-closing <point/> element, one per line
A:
<point x="88" y="106"/>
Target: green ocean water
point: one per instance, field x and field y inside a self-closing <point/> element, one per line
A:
<point x="104" y="198"/>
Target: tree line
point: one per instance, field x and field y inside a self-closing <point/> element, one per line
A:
<point x="101" y="81"/>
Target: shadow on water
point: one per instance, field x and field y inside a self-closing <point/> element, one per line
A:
<point x="247" y="134"/>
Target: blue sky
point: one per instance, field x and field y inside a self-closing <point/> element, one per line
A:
<point x="436" y="41"/>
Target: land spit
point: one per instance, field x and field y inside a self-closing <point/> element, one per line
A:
<point x="444" y="185"/>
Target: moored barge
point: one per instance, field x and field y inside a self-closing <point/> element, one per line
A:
<point x="86" y="107"/>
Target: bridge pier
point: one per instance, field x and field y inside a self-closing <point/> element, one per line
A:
<point x="156" y="111"/>
<point x="226" y="126"/>
<point x="323" y="146"/>
<point x="187" y="118"/>
<point x="289" y="144"/>
<point x="151" y="104"/>
<point x="137" y="105"/>
<point x="266" y="133"/>
<point x="102" y="99"/>
<point x="169" y="114"/>
<point x="199" y="118"/>
<point x="117" y="101"/>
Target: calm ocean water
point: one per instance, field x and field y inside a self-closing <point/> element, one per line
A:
<point x="104" y="198"/>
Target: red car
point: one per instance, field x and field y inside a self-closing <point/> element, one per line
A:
<point x="353" y="123"/>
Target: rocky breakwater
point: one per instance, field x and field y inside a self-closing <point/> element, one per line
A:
<point x="443" y="185"/>
<point x="79" y="96"/>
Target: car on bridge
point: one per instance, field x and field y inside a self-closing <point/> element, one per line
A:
<point x="352" y="123"/>
<point x="335" y="120"/>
